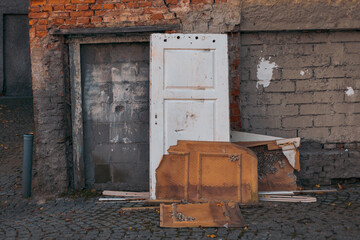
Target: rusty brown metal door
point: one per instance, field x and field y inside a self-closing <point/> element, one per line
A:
<point x="115" y="97"/>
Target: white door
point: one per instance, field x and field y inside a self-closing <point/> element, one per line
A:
<point x="189" y="93"/>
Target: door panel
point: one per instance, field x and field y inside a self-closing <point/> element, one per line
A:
<point x="189" y="94"/>
<point x="115" y="83"/>
<point x="184" y="118"/>
<point x="196" y="68"/>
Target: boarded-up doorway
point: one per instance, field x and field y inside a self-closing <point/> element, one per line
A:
<point x="115" y="106"/>
<point x="17" y="74"/>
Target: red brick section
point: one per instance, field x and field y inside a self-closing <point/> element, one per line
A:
<point x="103" y="13"/>
<point x="234" y="76"/>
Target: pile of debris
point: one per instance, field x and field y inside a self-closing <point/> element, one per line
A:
<point x="204" y="183"/>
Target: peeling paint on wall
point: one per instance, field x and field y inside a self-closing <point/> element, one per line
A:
<point x="265" y="72"/>
<point x="349" y="91"/>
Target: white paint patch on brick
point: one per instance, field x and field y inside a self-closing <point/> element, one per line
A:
<point x="349" y="91"/>
<point x="302" y="73"/>
<point x="265" y="72"/>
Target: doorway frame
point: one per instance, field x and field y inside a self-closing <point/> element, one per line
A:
<point x="76" y="94"/>
<point x="7" y="11"/>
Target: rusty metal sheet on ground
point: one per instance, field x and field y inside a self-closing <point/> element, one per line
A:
<point x="205" y="171"/>
<point x="211" y="214"/>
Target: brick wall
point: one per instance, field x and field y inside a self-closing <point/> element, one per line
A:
<point x="314" y="93"/>
<point x="194" y="16"/>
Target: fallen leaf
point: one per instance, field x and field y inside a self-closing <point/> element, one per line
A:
<point x="349" y="204"/>
<point x="130" y="228"/>
<point x="340" y="187"/>
<point x="317" y="185"/>
<point x="333" y="204"/>
<point x="41" y="208"/>
<point x="213" y="236"/>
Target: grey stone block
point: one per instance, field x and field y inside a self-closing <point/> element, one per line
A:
<point x="280" y="86"/>
<point x="328" y="97"/>
<point x="329" y="120"/>
<point x="315" y="109"/>
<point x="297" y="122"/>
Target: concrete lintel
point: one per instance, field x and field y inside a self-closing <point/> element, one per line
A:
<point x="115" y="30"/>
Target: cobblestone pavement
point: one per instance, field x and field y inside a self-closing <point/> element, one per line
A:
<point x="333" y="216"/>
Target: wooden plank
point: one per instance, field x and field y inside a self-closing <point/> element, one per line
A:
<point x="122" y="199"/>
<point x="270" y="144"/>
<point x="276" y="192"/>
<point x="296" y="191"/>
<point x="309" y="200"/>
<point x="156" y="202"/>
<point x="126" y="194"/>
<point x="115" y="30"/>
<point x="286" y="198"/>
<point x="77" y="116"/>
<point x="315" y="191"/>
<point x="131" y="209"/>
<point x="211" y="214"/>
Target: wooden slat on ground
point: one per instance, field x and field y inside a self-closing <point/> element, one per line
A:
<point x="126" y="194"/>
<point x="286" y="198"/>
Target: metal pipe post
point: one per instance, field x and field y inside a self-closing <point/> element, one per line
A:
<point x="27" y="164"/>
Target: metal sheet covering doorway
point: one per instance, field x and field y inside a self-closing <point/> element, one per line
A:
<point x="17" y="73"/>
<point x="110" y="92"/>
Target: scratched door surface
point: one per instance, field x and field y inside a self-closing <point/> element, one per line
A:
<point x="189" y="92"/>
<point x="115" y="85"/>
